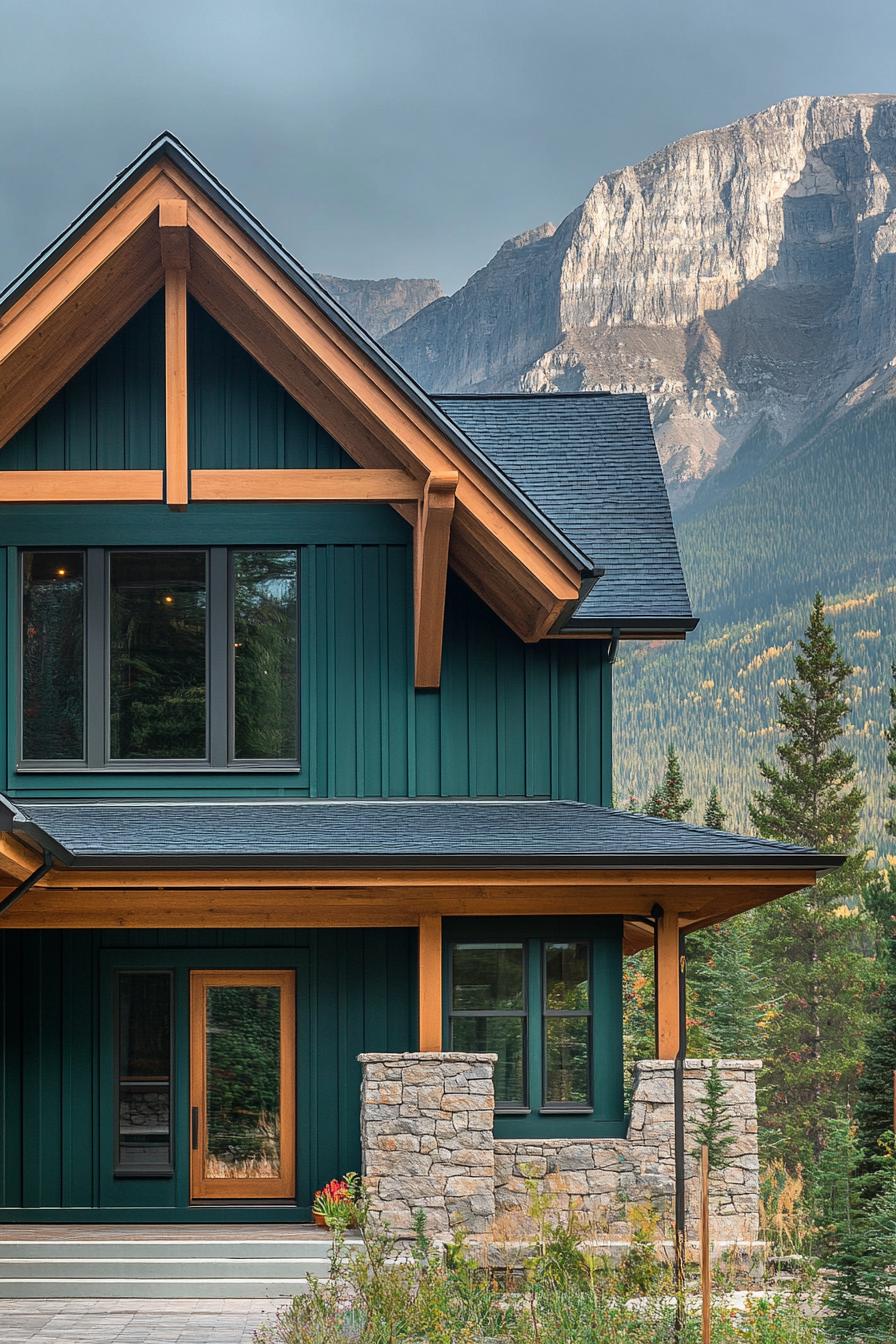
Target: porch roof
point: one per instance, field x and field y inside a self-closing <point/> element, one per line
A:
<point x="394" y="833"/>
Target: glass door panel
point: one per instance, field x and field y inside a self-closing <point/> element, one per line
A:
<point x="242" y="1084"/>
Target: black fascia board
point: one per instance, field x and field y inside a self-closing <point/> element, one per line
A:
<point x="168" y="146"/>
<point x="633" y="627"/>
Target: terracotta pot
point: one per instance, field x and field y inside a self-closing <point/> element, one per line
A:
<point x="319" y="1219"/>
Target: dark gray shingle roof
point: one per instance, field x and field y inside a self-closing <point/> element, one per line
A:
<point x="389" y="832"/>
<point x="589" y="461"/>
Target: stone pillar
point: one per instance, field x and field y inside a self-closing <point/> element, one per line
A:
<point x="427" y="1140"/>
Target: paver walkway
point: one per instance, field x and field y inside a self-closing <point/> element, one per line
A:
<point x="132" y="1320"/>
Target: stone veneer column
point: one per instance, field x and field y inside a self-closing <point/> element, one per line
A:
<point x="427" y="1141"/>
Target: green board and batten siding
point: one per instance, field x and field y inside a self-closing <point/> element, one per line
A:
<point x="509" y="719"/>
<point x="356" y="991"/>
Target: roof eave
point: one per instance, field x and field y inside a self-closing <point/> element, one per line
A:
<point x="167" y="146"/>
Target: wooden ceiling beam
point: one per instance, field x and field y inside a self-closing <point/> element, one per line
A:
<point x="81" y="487"/>
<point x="323" y="485"/>
<point x="431" y="538"/>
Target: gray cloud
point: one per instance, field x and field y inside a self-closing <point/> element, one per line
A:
<point x="380" y="137"/>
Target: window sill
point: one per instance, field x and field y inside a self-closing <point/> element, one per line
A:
<point x="57" y="768"/>
<point x="566" y="1110"/>
<point x="511" y="1111"/>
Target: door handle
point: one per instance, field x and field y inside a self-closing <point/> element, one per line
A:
<point x="194" y="1126"/>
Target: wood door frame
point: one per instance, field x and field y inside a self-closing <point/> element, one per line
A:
<point x="284" y="1185"/>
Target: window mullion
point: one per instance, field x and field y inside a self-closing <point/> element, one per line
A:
<point x="535" y="1025"/>
<point x="219" y="657"/>
<point x="96" y="659"/>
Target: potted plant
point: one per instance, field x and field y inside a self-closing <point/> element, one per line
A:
<point x="336" y="1204"/>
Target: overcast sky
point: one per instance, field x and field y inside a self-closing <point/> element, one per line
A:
<point x="396" y="137"/>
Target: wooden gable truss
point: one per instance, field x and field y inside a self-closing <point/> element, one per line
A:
<point x="164" y="231"/>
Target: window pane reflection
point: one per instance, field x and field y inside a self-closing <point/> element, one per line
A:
<point x="53" y="655"/>
<point x="157" y="655"/>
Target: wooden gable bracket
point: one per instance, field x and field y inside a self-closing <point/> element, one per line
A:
<point x="174" y="242"/>
<point x="432" y="534"/>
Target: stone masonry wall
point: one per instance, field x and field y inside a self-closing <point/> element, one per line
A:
<point x="427" y="1142"/>
<point x="604" y="1178"/>
<point x="426" y="1139"/>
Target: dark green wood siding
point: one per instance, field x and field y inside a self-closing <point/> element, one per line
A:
<point x="356" y="991"/>
<point x="509" y="719"/>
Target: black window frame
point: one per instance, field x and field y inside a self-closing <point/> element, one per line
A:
<point x="137" y="1173"/>
<point x="219" y="675"/>
<point x="502" y="1107"/>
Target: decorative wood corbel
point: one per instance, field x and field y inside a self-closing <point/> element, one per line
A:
<point x="431" y="537"/>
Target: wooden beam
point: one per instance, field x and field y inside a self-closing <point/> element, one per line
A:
<point x="176" y="411"/>
<point x="667" y="971"/>
<point x="431" y="537"/>
<point x="430" y="982"/>
<point x="16" y="861"/>
<point x="174" y="234"/>
<point x="330" y="486"/>
<point x="81" y="487"/>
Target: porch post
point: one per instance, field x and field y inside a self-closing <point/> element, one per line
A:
<point x="667" y="986"/>
<point x="430" y="982"/>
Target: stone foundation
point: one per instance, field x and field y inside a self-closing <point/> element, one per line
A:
<point x="426" y="1133"/>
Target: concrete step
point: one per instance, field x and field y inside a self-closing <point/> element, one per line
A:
<point x="173" y="1268"/>
<point x="268" y="1248"/>
<point x="160" y="1268"/>
<point x="153" y="1288"/>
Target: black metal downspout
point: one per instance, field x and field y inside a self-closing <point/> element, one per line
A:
<point x="678" y="1110"/>
<point x="18" y="892"/>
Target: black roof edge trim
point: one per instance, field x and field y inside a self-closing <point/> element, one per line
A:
<point x="530" y="396"/>
<point x="167" y="144"/>
<point x="631" y="627"/>
<point x="817" y="862"/>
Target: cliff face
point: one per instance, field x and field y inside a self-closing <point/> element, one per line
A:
<point x="745" y="278"/>
<point x="381" y="305"/>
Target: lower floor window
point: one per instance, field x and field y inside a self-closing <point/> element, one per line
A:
<point x="510" y="998"/>
<point x="143" y="1073"/>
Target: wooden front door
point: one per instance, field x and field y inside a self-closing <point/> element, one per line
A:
<point x="242" y="1085"/>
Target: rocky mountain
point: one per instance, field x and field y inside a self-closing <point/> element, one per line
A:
<point x="745" y="278"/>
<point x="381" y="305"/>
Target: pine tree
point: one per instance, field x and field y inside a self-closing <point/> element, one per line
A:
<point x="808" y="945"/>
<point x="715" y="815"/>
<point x="721" y="984"/>
<point x="669" y="801"/>
<point x="862" y="1301"/>
<point x="891" y="754"/>
<point x="714" y="1127"/>
<point x="874" y="1108"/>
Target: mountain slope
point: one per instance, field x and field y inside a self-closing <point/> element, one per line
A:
<point x="744" y="278"/>
<point x="381" y="305"/>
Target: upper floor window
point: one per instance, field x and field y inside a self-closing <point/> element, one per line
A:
<point x="159" y="658"/>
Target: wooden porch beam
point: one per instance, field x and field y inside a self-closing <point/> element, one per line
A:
<point x="667" y="972"/>
<point x="430" y="982"/>
<point x="81" y="487"/>
<point x="322" y="485"/>
<point x="174" y="240"/>
<point x="15" y="860"/>
<point x="431" y="537"/>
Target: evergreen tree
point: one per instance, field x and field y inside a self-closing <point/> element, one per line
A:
<point x="808" y="945"/>
<point x="714" y="1127"/>
<point x="891" y="753"/>
<point x="862" y="1301"/>
<point x="715" y="815"/>
<point x="669" y="801"/>
<point x="874" y="1109"/>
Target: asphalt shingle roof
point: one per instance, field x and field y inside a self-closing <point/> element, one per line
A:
<point x="397" y="832"/>
<point x="589" y="461"/>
